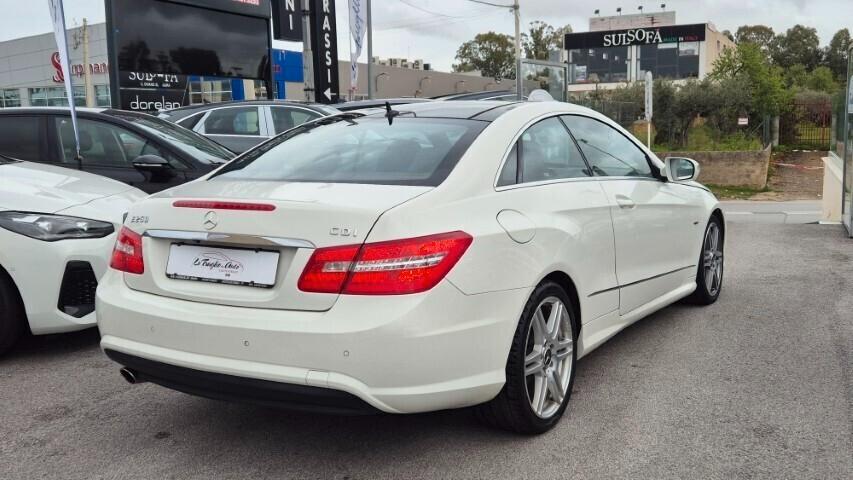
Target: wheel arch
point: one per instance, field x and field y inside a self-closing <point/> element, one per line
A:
<point x="718" y="212"/>
<point x="6" y="278"/>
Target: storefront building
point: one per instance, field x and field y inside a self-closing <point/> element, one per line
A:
<point x="30" y="73"/>
<point x="608" y="58"/>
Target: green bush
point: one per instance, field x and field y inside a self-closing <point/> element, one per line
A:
<point x="701" y="115"/>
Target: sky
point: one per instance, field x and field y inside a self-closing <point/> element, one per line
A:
<point x="432" y="30"/>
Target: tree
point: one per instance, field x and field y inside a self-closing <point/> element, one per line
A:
<point x="542" y="38"/>
<point x="748" y="64"/>
<point x="796" y="76"/>
<point x="760" y="35"/>
<point x="836" y="53"/>
<point x="821" y="79"/>
<point x="493" y="54"/>
<point x="800" y="44"/>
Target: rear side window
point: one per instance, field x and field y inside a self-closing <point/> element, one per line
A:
<point x="544" y="152"/>
<point x="286" y="118"/>
<point x="190" y="121"/>
<point x="20" y="137"/>
<point x="412" y="151"/>
<point x="233" y="121"/>
<point x="608" y="152"/>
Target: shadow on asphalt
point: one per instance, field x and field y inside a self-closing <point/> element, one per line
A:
<point x="47" y="347"/>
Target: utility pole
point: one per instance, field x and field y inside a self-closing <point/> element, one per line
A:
<point x="307" y="54"/>
<point x="519" y="90"/>
<point x="87" y="74"/>
<point x="370" y="87"/>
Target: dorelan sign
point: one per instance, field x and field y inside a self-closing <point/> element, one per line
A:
<point x="635" y="36"/>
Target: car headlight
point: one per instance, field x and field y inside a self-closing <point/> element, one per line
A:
<point x="50" y="228"/>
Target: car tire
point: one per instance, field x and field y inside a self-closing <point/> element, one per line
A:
<point x="709" y="274"/>
<point x="12" y="317"/>
<point x="526" y="404"/>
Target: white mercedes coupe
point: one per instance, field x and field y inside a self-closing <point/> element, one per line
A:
<point x="436" y="256"/>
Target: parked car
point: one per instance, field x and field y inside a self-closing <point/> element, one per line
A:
<point x="502" y="95"/>
<point x="455" y="254"/>
<point x="378" y="103"/>
<point x="135" y="148"/>
<point x="57" y="230"/>
<point x="240" y="125"/>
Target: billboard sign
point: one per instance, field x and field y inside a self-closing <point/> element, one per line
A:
<point x="156" y="46"/>
<point x="287" y="20"/>
<point x="324" y="40"/>
<point x="254" y="8"/>
<point x="635" y="36"/>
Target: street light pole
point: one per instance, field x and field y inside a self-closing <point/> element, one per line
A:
<point x="307" y="54"/>
<point x="518" y="87"/>
<point x="370" y="87"/>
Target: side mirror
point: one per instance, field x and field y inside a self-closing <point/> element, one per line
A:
<point x="151" y="163"/>
<point x="679" y="169"/>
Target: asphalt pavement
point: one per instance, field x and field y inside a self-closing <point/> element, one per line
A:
<point x="791" y="212"/>
<point x="759" y="385"/>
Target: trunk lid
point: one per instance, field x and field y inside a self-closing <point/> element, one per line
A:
<point x="306" y="216"/>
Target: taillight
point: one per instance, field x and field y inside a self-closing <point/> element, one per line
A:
<point x="127" y="254"/>
<point x="327" y="269"/>
<point x="395" y="267"/>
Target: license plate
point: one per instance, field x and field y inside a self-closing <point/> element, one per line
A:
<point x="254" y="268"/>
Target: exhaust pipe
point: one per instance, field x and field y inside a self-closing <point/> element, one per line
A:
<point x="131" y="376"/>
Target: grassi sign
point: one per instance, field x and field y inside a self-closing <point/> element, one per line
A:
<point x="635" y="36"/>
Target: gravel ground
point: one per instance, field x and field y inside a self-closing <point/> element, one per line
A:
<point x="758" y="385"/>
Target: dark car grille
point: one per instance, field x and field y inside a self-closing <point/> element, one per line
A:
<point x="77" y="294"/>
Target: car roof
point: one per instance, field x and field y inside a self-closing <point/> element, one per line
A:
<point x="469" y="110"/>
<point x="13" y="110"/>
<point x="475" y="95"/>
<point x="190" y="109"/>
<point x="380" y="102"/>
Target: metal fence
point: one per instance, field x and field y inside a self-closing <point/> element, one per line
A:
<point x="807" y="125"/>
<point x="623" y="113"/>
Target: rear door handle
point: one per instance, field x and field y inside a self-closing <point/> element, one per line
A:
<point x="625" y="202"/>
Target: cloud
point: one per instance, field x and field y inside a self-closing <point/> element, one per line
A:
<point x="406" y="28"/>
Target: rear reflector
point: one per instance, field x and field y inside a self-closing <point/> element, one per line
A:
<point x="396" y="267"/>
<point x="217" y="205"/>
<point x="127" y="254"/>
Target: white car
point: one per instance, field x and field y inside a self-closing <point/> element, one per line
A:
<point x="443" y="255"/>
<point x="57" y="230"/>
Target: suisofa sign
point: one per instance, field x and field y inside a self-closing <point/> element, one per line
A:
<point x="636" y="36"/>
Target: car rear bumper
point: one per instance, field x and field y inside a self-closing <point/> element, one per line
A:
<point x="240" y="389"/>
<point x="399" y="354"/>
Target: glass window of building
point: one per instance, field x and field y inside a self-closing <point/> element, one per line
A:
<point x="670" y="60"/>
<point x="55" y="97"/>
<point x="102" y="96"/>
<point x="10" y="97"/>
<point x="209" y="91"/>
<point x="598" y="65"/>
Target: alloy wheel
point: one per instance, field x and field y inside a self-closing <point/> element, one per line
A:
<point x="712" y="259"/>
<point x="548" y="359"/>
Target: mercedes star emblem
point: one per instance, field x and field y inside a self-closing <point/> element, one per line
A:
<point x="211" y="220"/>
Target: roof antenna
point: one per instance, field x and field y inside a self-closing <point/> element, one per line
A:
<point x="389" y="113"/>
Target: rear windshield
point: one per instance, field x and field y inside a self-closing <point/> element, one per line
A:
<point x="411" y="151"/>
